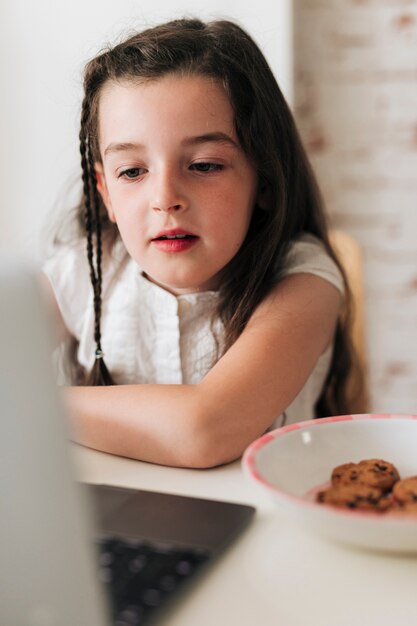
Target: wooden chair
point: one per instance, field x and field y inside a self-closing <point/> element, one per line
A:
<point x="350" y="255"/>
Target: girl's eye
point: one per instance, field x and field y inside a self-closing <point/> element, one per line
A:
<point x="131" y="173"/>
<point x="207" y="167"/>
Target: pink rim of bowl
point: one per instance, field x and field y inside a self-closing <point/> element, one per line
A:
<point x="249" y="464"/>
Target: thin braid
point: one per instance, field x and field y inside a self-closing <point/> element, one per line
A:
<point x="99" y="374"/>
<point x="97" y="224"/>
<point x="86" y="190"/>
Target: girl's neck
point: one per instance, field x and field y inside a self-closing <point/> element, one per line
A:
<point x="181" y="291"/>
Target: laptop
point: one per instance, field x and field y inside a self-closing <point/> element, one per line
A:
<point x="74" y="553"/>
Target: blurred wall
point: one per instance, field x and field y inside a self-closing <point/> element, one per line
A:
<point x="43" y="48"/>
<point x="355" y="98"/>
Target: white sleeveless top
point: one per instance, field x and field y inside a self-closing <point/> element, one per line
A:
<point x="151" y="336"/>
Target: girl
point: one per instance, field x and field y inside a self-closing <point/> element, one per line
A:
<point x="208" y="275"/>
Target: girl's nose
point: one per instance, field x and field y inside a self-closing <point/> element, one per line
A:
<point x="165" y="209"/>
<point x="167" y="195"/>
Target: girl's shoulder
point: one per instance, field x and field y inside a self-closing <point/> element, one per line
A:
<point x="307" y="254"/>
<point x="69" y="254"/>
<point x="68" y="263"/>
<point x="68" y="272"/>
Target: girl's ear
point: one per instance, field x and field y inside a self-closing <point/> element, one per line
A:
<point x="103" y="191"/>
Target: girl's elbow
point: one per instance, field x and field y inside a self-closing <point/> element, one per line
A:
<point x="206" y="457"/>
<point x="209" y="447"/>
<point x="207" y="440"/>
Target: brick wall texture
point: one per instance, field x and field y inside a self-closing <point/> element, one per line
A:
<point x="355" y="103"/>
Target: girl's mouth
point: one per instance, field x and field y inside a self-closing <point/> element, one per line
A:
<point x="174" y="241"/>
<point x="171" y="237"/>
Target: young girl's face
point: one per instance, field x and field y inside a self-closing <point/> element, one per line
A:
<point x="174" y="178"/>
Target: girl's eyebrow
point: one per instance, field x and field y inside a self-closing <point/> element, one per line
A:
<point x="122" y="147"/>
<point x="216" y="137"/>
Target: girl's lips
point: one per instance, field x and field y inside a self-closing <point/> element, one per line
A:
<point x="172" y="233"/>
<point x="174" y="241"/>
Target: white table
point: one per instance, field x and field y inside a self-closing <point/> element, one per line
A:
<point x="276" y="572"/>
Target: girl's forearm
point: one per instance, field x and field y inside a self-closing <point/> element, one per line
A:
<point x="212" y="422"/>
<point x="156" y="423"/>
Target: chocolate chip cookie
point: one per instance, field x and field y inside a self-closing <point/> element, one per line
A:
<point x="371" y="472"/>
<point x="355" y="496"/>
<point x="405" y="491"/>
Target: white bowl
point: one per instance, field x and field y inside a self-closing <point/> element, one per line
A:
<point x="291" y="462"/>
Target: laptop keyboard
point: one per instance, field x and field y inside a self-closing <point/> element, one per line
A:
<point x="139" y="577"/>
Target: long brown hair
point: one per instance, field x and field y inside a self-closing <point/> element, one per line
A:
<point x="268" y="135"/>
